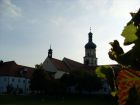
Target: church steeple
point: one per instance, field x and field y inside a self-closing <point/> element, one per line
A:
<point x="90" y="44"/>
<point x="50" y="51"/>
<point x="90" y="36"/>
<point x="90" y="52"/>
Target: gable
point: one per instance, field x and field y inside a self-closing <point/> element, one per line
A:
<point x="72" y="65"/>
<point x="49" y="66"/>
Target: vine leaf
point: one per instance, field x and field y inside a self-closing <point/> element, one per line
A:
<point x="129" y="33"/>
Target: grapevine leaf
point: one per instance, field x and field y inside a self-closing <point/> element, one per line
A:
<point x="129" y="33"/>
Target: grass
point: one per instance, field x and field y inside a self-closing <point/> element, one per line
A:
<point x="40" y="100"/>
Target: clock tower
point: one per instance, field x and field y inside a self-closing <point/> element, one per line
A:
<point x="90" y="52"/>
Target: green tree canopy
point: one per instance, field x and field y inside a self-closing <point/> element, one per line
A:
<point x="106" y="72"/>
<point x="39" y="79"/>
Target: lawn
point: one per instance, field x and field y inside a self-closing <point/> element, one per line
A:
<point x="40" y="100"/>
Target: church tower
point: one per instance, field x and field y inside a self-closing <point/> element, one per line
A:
<point x="50" y="52"/>
<point x="90" y="52"/>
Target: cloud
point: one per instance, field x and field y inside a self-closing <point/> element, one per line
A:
<point x="97" y="5"/>
<point x="58" y="20"/>
<point x="114" y="8"/>
<point x="9" y="9"/>
<point x="121" y="8"/>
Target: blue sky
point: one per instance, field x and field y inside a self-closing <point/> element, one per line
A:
<point x="28" y="27"/>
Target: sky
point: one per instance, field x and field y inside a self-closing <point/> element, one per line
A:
<point x="29" y="27"/>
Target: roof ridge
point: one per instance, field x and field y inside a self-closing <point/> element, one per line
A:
<point x="71" y="60"/>
<point x="56" y="59"/>
<point x="59" y="64"/>
<point x="10" y="62"/>
<point x="66" y="65"/>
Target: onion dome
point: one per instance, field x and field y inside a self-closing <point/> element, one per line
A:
<point x="90" y="44"/>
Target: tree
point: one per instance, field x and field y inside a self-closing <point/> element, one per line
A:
<point x="82" y="80"/>
<point x="55" y="88"/>
<point x="1" y="62"/>
<point x="39" y="79"/>
<point x="107" y="72"/>
<point x="68" y="80"/>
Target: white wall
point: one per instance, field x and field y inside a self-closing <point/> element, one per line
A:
<point x="49" y="66"/>
<point x="19" y="82"/>
<point x="59" y="74"/>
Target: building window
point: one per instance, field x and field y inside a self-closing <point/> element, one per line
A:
<point x="13" y="79"/>
<point x="86" y="62"/>
<point x="27" y="89"/>
<point x="18" y="80"/>
<point x="5" y="79"/>
<point x="105" y="89"/>
<point x="17" y="86"/>
<point x="23" y="81"/>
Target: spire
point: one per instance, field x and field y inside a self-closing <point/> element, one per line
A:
<point x="50" y="52"/>
<point x="90" y="44"/>
<point x="50" y="46"/>
<point x="90" y="29"/>
<point x="90" y="36"/>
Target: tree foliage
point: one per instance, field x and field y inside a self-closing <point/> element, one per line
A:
<point x="87" y="80"/>
<point x="82" y="80"/>
<point x="106" y="72"/>
<point x="42" y="83"/>
<point x="39" y="79"/>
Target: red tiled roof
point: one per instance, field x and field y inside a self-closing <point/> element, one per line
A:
<point x="28" y="70"/>
<point x="7" y="68"/>
<point x="68" y="65"/>
<point x="74" y="65"/>
<point x="12" y="69"/>
<point x="60" y="65"/>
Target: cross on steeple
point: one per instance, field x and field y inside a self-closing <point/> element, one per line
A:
<point x="90" y="29"/>
<point x="50" y="46"/>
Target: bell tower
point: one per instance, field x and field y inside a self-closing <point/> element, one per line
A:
<point x="50" y="51"/>
<point x="90" y="52"/>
